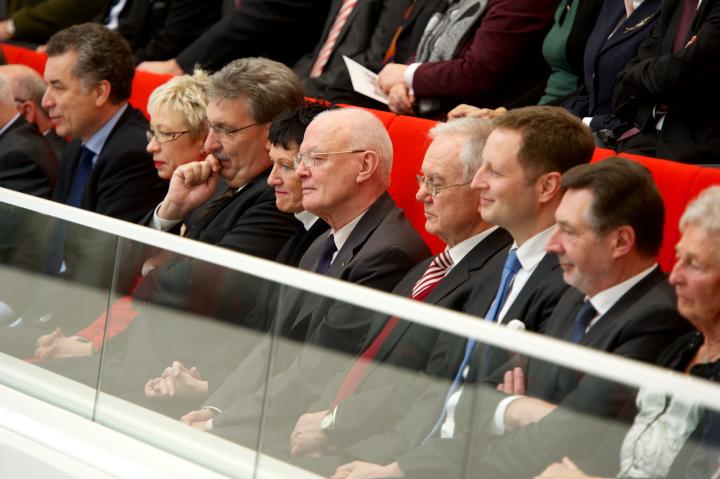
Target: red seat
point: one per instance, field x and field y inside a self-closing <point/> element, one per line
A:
<point x="16" y="54"/>
<point x="143" y="85"/>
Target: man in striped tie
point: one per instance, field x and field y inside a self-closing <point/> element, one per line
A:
<point x="369" y="388"/>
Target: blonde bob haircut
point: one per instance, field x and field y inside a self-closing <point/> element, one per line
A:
<point x="187" y="95"/>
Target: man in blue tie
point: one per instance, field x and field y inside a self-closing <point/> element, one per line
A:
<point x="104" y="169"/>
<point x="608" y="234"/>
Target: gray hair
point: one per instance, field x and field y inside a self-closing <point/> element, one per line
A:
<point x="704" y="212"/>
<point x="477" y="130"/>
<point x="366" y="132"/>
<point x="269" y="87"/>
<point x="187" y="95"/>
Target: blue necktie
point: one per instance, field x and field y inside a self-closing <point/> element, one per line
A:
<point x="512" y="266"/>
<point x="326" y="255"/>
<point x="83" y="170"/>
<point x="584" y="316"/>
<point x="56" y="248"/>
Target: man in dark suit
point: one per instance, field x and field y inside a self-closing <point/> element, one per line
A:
<point x="494" y="61"/>
<point x="520" y="187"/>
<point x="669" y="89"/>
<point x="29" y="88"/>
<point x="357" y="410"/>
<point x="344" y="165"/>
<point x="159" y="30"/>
<point x="27" y="163"/>
<point x="104" y="169"/>
<point x="251" y="29"/>
<point x="243" y="98"/>
<point x="610" y="224"/>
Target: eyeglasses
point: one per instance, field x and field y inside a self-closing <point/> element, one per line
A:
<point x="224" y="132"/>
<point x="164" y="137"/>
<point x="432" y="188"/>
<point x="310" y="158"/>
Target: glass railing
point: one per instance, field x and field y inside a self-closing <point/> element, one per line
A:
<point x="250" y="369"/>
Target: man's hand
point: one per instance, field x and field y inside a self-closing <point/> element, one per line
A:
<point x="4" y="34"/>
<point x="526" y="410"/>
<point x="564" y="470"/>
<point x="167" y="67"/>
<point x="469" y="111"/>
<point x="198" y="419"/>
<point x="57" y="345"/>
<point x="190" y="186"/>
<point x="513" y="382"/>
<point x="177" y="381"/>
<point x="366" y="470"/>
<point x="400" y="101"/>
<point x="308" y="437"/>
<point x="392" y="74"/>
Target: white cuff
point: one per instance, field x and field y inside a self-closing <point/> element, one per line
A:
<point x="409" y="75"/>
<point x="209" y="425"/>
<point x="499" y="418"/>
<point x="161" y="224"/>
<point x="586" y="120"/>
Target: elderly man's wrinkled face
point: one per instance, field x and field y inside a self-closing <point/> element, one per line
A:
<point x="452" y="213"/>
<point x="696" y="277"/>
<point x="329" y="184"/>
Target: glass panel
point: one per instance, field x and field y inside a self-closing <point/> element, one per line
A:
<point x="56" y="277"/>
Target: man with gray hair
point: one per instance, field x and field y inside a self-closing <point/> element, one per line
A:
<point x="344" y="166"/>
<point x="358" y="412"/>
<point x="28" y="89"/>
<point x="27" y="163"/>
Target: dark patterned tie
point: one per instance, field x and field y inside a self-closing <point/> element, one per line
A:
<point x="585" y="315"/>
<point x="326" y="254"/>
<point x="687" y="14"/>
<point x="82" y="173"/>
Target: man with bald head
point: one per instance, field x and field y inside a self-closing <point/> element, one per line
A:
<point x="344" y="165"/>
<point x="28" y="89"/>
<point x="27" y="163"/>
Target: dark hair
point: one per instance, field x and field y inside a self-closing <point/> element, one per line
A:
<point x="288" y="128"/>
<point x="269" y="87"/>
<point x="102" y="54"/>
<point x="624" y="193"/>
<point x="552" y="139"/>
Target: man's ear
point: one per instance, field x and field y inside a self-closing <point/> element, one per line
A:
<point x="368" y="165"/>
<point x="549" y="186"/>
<point x="28" y="110"/>
<point x="102" y="91"/>
<point x="623" y="241"/>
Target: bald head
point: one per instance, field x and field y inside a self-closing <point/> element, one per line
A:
<point x="347" y="162"/>
<point x="28" y="88"/>
<point x="7" y="102"/>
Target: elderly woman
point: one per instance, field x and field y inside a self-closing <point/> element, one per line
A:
<point x="176" y="136"/>
<point x="664" y="438"/>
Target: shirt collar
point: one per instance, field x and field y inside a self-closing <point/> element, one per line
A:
<point x="306" y="218"/>
<point x="460" y="250"/>
<point x="340" y="236"/>
<point x="604" y="300"/>
<point x="533" y="251"/>
<point x="97" y="141"/>
<point x="9" y="124"/>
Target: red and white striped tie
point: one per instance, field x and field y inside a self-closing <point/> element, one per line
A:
<point x="345" y="10"/>
<point x="434" y="273"/>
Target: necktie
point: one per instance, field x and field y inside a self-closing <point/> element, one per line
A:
<point x="390" y="54"/>
<point x="687" y="14"/>
<point x="326" y="255"/>
<point x="56" y="248"/>
<point x="82" y="173"/>
<point x="512" y="266"/>
<point x="326" y="50"/>
<point x="584" y="316"/>
<point x="423" y="287"/>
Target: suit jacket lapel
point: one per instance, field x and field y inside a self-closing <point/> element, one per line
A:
<point x="640" y="19"/>
<point x="546" y="265"/>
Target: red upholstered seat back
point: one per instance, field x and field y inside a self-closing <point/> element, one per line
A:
<point x="143" y="85"/>
<point x="25" y="56"/>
